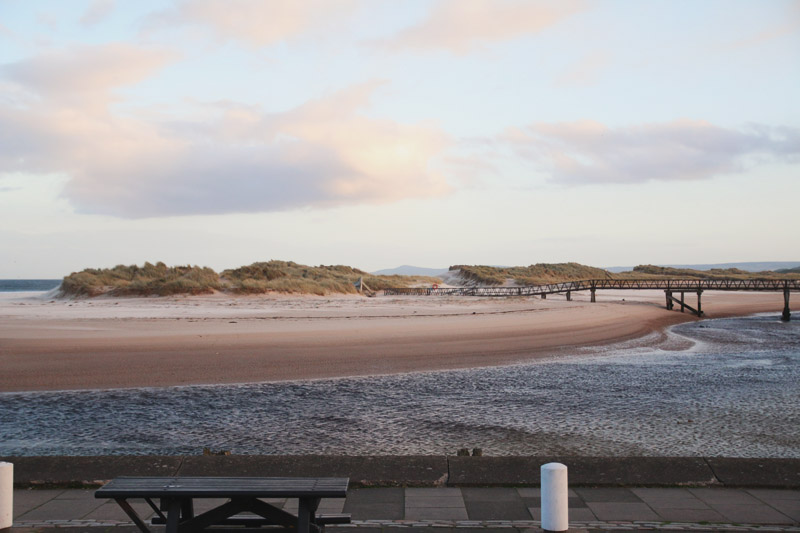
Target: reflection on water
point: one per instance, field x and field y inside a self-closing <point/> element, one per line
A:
<point x="735" y="393"/>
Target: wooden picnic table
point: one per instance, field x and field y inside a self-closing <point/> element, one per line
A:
<point x="177" y="494"/>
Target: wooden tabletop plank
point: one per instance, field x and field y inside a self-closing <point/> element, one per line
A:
<point x="213" y="487"/>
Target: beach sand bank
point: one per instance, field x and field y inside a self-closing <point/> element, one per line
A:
<point x="48" y="344"/>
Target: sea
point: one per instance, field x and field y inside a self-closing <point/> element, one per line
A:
<point x="28" y="285"/>
<point x="716" y="387"/>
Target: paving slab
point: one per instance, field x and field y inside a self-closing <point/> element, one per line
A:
<point x="580" y="514"/>
<point x="610" y="494"/>
<point x="628" y="511"/>
<point x="331" y="506"/>
<point x="25" y="500"/>
<point x="482" y="494"/>
<point x="689" y="515"/>
<point x="434" y="504"/>
<point x="381" y="471"/>
<point x="439" y="497"/>
<point x="436" y="513"/>
<point x="97" y="470"/>
<point x="369" y="504"/>
<point x="111" y="511"/>
<point x="62" y="509"/>
<point x="675" y="498"/>
<point x="383" y="495"/>
<point x="375" y="511"/>
<point x="492" y="510"/>
<point x="725" y="496"/>
<point x="751" y="514"/>
<point x="775" y="494"/>
<point x="790" y="508"/>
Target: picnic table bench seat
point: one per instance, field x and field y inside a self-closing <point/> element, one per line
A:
<point x="177" y="494"/>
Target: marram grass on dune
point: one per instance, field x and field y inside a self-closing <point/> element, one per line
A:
<point x="258" y="278"/>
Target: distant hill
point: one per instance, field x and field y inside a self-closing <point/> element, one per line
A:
<point x="409" y="270"/>
<point x="795" y="270"/>
<point x="747" y="266"/>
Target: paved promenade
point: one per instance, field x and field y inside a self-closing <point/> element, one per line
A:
<point x="428" y="494"/>
<point x="467" y="508"/>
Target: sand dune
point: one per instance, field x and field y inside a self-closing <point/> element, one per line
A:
<point x="113" y="342"/>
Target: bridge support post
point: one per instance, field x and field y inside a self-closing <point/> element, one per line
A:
<point x="594" y="298"/>
<point x="683" y="304"/>
<point x="544" y="296"/>
<point x="786" y="316"/>
<point x="699" y="305"/>
<point x="668" y="294"/>
<point x="569" y="296"/>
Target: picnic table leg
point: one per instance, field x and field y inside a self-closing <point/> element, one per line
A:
<point x="305" y="514"/>
<point x="173" y="516"/>
<point x="187" y="509"/>
<point x="122" y="502"/>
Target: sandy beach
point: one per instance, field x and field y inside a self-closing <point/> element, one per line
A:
<point x="56" y="344"/>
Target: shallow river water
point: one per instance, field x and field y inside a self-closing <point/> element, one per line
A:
<point x="732" y="389"/>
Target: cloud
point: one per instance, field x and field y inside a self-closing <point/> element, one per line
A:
<point x="97" y="12"/>
<point x="789" y="25"/>
<point x="227" y="158"/>
<point x="589" y="152"/>
<point x="5" y="32"/>
<point x="85" y="75"/>
<point x="459" y="26"/>
<point x="585" y="72"/>
<point x="255" y="22"/>
<point x="48" y="20"/>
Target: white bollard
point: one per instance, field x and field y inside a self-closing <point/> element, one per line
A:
<point x="6" y="494"/>
<point x="555" y="497"/>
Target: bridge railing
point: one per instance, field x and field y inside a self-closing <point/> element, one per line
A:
<point x="676" y="285"/>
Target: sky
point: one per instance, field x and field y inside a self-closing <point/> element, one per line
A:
<point x="376" y="133"/>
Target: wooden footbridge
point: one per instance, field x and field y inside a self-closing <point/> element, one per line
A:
<point x="671" y="288"/>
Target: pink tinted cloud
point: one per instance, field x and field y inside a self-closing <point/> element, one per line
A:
<point x="234" y="158"/>
<point x="97" y="12"/>
<point x="256" y="23"/>
<point x="85" y="75"/>
<point x="459" y="26"/>
<point x="790" y="24"/>
<point x="588" y="152"/>
<point x="584" y="72"/>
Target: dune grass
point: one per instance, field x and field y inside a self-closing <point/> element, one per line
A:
<point x="291" y="277"/>
<point x="538" y="274"/>
<point x="272" y="276"/>
<point x="149" y="279"/>
<point x="652" y="271"/>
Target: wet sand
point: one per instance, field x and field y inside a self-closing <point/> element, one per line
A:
<point x="48" y="344"/>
